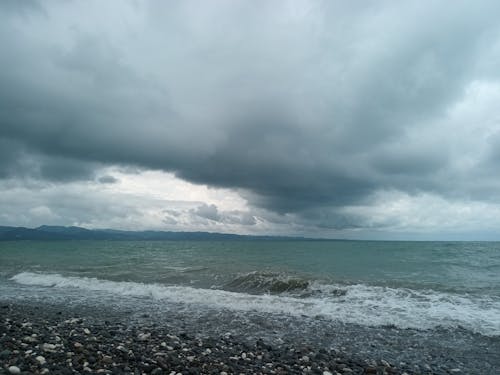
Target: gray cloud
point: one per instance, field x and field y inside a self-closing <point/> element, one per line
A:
<point x="211" y="212"/>
<point x="305" y="107"/>
<point x="206" y="211"/>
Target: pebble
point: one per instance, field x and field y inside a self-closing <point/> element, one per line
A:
<point x="14" y="370"/>
<point x="41" y="360"/>
<point x="48" y="347"/>
<point x="143" y="336"/>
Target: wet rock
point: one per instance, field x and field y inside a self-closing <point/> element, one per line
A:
<point x="14" y="370"/>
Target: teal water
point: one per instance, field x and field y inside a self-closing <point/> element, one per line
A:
<point x="410" y="284"/>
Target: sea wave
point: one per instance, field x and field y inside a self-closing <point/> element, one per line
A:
<point x="360" y="304"/>
<point x="267" y="282"/>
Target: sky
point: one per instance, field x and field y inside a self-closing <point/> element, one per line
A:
<point x="360" y="119"/>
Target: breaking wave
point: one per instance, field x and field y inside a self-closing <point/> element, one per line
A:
<point x="258" y="282"/>
<point x="360" y="303"/>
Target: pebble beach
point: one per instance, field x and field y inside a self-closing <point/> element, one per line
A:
<point x="51" y="339"/>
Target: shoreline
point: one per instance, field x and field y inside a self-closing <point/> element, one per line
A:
<point x="56" y="339"/>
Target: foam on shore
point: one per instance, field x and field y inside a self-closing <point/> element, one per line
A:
<point x="361" y="304"/>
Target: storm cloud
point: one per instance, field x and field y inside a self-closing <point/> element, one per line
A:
<point x="314" y="112"/>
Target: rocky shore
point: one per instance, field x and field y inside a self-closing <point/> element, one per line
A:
<point x="51" y="341"/>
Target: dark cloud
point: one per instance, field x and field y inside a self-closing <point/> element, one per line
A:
<point x="107" y="179"/>
<point x="304" y="107"/>
<point x="16" y="160"/>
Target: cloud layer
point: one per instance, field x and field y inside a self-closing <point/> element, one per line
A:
<point x="308" y="110"/>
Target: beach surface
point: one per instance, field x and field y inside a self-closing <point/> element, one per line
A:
<point x="59" y="339"/>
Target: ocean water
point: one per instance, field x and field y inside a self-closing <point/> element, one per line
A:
<point x="408" y="285"/>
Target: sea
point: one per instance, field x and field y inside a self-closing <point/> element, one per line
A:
<point x="405" y="301"/>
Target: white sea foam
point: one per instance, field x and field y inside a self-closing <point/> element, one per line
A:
<point x="361" y="304"/>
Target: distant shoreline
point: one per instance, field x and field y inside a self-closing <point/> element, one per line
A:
<point x="46" y="232"/>
<point x="61" y="233"/>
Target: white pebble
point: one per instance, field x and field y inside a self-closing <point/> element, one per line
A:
<point x="86" y="331"/>
<point x="48" y="347"/>
<point x="327" y="373"/>
<point x="14" y="370"/>
<point x="41" y="360"/>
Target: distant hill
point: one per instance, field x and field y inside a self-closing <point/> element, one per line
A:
<point x="48" y="232"/>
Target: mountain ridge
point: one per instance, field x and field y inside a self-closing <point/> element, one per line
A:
<point x="56" y="232"/>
